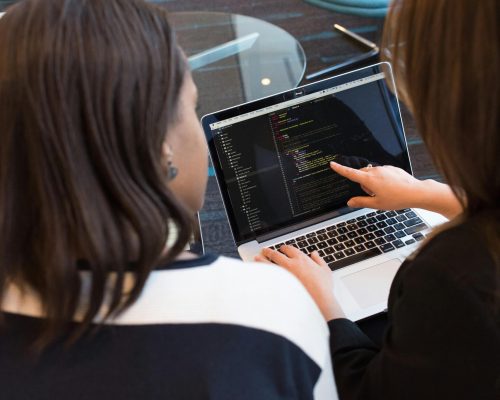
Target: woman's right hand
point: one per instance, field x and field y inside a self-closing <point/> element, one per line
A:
<point x="391" y="188"/>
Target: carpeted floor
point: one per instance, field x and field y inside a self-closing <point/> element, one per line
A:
<point x="312" y="27"/>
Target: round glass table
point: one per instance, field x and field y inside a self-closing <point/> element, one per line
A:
<point x="235" y="59"/>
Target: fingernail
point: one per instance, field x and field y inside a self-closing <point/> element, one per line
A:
<point x="350" y="203"/>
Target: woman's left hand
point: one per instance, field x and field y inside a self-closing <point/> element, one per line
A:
<point x="312" y="271"/>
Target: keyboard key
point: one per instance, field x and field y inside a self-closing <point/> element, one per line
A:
<point x="379" y="233"/>
<point x="321" y="253"/>
<point x="279" y="245"/>
<point x="370" y="236"/>
<point x="359" y="240"/>
<point x="342" y="238"/>
<point x="371" y="220"/>
<point x="321" y="231"/>
<point x="371" y="214"/>
<point x="403" y="211"/>
<point x="342" y="229"/>
<point x="322" y="237"/>
<point x="391" y="221"/>
<point x="341" y="224"/>
<point x="387" y="247"/>
<point x="302" y="244"/>
<point x="290" y="242"/>
<point x="410" y="241"/>
<point x="390" y="238"/>
<point x="359" y="248"/>
<point x="300" y="238"/>
<point x="362" y="231"/>
<point x="328" y="258"/>
<point x="310" y="235"/>
<point x="349" y="243"/>
<point x="332" y="233"/>
<point x="416" y="228"/>
<point x="340" y="263"/>
<point x="398" y="244"/>
<point x="413" y="221"/>
<point x="369" y="245"/>
<point x="339" y="247"/>
<point x="352" y="235"/>
<point x="371" y="228"/>
<point x="391" y="214"/>
<point x="329" y="250"/>
<point x="351" y="221"/>
<point x="381" y="224"/>
<point x="322" y="245"/>
<point x="399" y="226"/>
<point x="310" y="249"/>
<point x="312" y="240"/>
<point x="349" y="252"/>
<point x="410" y="215"/>
<point x="400" y="234"/>
<point x="362" y="224"/>
<point x="380" y="212"/>
<point x="418" y="236"/>
<point x="339" y="255"/>
<point x="379" y="241"/>
<point x="389" y="229"/>
<point x="330" y="228"/>
<point x="352" y="227"/>
<point x="381" y="217"/>
<point x="332" y="241"/>
<point x="360" y="218"/>
<point x="400" y="218"/>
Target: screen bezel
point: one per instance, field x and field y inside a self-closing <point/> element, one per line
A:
<point x="390" y="100"/>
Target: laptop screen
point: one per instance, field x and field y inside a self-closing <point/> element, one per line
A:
<point x="272" y="156"/>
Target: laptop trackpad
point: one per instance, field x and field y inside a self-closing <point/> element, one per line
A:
<point x="371" y="285"/>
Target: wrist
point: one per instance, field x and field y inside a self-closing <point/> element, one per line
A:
<point x="437" y="197"/>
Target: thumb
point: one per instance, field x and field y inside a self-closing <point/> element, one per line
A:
<point x="362" y="202"/>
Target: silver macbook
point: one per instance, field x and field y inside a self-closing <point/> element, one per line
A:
<point x="271" y="160"/>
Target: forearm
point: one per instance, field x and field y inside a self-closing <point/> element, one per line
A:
<point x="437" y="197"/>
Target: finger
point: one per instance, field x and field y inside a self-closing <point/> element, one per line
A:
<point x="352" y="174"/>
<point x="363" y="202"/>
<point x="276" y="257"/>
<point x="317" y="258"/>
<point x="291" y="251"/>
<point x="261" y="258"/>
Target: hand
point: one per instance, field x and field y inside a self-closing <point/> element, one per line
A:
<point x="392" y="188"/>
<point x="388" y="187"/>
<point x="312" y="271"/>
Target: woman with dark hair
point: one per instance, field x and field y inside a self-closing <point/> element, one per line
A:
<point x="102" y="164"/>
<point x="442" y="340"/>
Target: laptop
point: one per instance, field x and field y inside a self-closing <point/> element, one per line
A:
<point x="271" y="160"/>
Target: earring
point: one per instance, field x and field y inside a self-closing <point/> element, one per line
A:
<point x="172" y="171"/>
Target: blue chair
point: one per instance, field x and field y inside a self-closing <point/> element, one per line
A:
<point x="362" y="8"/>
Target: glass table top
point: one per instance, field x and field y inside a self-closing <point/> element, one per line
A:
<point x="236" y="59"/>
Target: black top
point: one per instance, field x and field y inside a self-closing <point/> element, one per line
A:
<point x="443" y="335"/>
<point x="212" y="328"/>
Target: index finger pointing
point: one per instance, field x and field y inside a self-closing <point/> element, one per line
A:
<point x="352" y="174"/>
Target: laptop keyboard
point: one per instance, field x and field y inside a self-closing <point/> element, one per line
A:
<point x="361" y="238"/>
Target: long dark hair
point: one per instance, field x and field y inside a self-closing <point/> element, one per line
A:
<point x="88" y="89"/>
<point x="446" y="60"/>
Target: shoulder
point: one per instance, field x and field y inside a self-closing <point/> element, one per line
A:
<point x="453" y="276"/>
<point x="229" y="291"/>
<point x="460" y="253"/>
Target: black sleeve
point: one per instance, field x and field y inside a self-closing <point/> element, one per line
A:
<point x="441" y="342"/>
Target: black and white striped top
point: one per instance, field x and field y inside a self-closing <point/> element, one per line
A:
<point x="210" y="328"/>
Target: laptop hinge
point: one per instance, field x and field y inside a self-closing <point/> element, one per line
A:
<point x="301" y="225"/>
